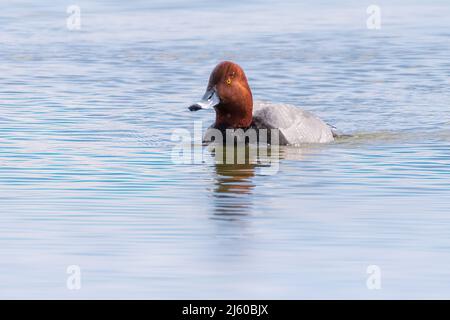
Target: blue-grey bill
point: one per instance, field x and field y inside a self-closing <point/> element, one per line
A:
<point x="210" y="100"/>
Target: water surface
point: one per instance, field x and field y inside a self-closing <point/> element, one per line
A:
<point x="87" y="178"/>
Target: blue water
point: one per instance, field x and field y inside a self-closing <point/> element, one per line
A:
<point x="87" y="178"/>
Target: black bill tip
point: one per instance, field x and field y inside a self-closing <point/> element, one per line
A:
<point x="194" y="107"/>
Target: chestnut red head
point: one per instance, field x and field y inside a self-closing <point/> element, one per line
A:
<point x="230" y="95"/>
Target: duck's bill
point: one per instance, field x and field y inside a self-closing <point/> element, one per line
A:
<point x="210" y="100"/>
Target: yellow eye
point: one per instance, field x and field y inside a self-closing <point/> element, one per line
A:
<point x="228" y="81"/>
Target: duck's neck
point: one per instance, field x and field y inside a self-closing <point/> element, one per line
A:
<point x="233" y="117"/>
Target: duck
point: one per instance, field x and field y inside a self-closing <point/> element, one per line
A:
<point x="229" y="93"/>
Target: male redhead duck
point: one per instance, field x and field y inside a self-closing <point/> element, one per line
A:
<point x="230" y="95"/>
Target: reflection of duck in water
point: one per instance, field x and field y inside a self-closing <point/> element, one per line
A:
<point x="233" y="185"/>
<point x="234" y="181"/>
<point x="234" y="178"/>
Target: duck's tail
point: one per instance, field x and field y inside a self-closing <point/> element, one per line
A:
<point x="336" y="134"/>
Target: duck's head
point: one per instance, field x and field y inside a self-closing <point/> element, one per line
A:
<point x="229" y="94"/>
